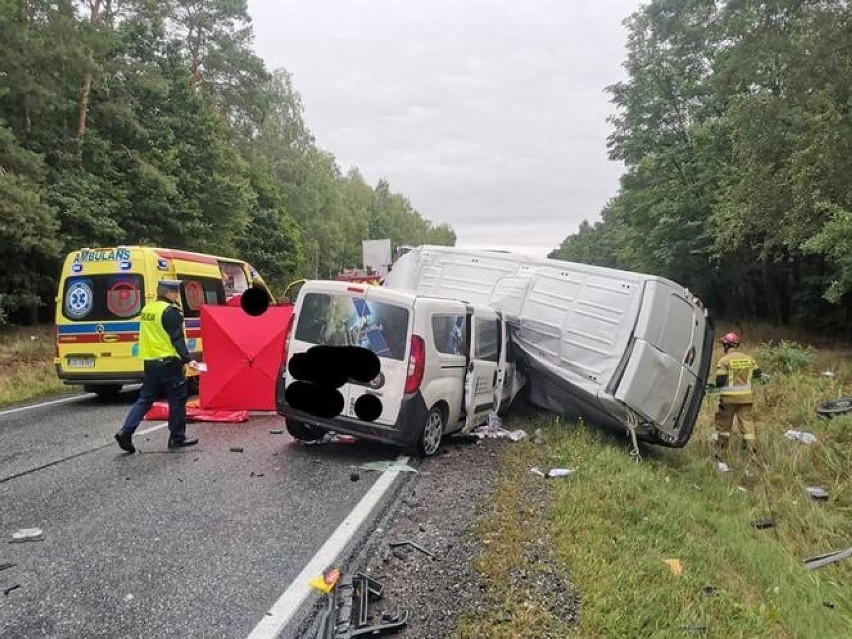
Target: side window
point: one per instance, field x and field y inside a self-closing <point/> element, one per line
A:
<point x="200" y="290"/>
<point x="448" y="331"/>
<point x="103" y="298"/>
<point x="233" y="278"/>
<point x="487" y="344"/>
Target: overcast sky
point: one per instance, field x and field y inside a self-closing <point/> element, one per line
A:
<point x="487" y="115"/>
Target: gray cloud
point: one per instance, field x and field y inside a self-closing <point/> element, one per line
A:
<point x="488" y="115"/>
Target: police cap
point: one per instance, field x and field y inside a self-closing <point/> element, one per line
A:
<point x="173" y="285"/>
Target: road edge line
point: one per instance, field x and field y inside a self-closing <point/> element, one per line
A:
<point x="291" y="600"/>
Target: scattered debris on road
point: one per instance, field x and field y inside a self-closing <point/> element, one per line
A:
<point x="398" y="544"/>
<point x="27" y="534"/>
<point x="348" y="613"/>
<point x="553" y="472"/>
<point x="9" y="589"/>
<point x="675" y="566"/>
<point x="353" y="476"/>
<point x="276" y="431"/>
<point x="327" y="580"/>
<point x="817" y="493"/>
<point x="254" y="474"/>
<point x="384" y="466"/>
<point x="800" y="436"/>
<point x="493" y="428"/>
<point x="237" y="449"/>
<point x="5" y="566"/>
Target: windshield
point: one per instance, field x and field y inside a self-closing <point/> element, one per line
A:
<point x="340" y="320"/>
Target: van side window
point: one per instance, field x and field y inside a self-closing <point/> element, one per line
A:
<point x="487" y="344"/>
<point x="448" y="332"/>
<point x="200" y="290"/>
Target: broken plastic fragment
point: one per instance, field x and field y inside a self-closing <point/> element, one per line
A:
<point x="326" y="581"/>
<point x="801" y="436"/>
<point x="383" y="466"/>
<point x="28" y="534"/>
<point x="723" y="467"/>
<point x="820" y="494"/>
<point x="561" y="472"/>
<point x="675" y="566"/>
<point x="535" y="470"/>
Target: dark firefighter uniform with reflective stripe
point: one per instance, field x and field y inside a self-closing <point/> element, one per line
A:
<point x="734" y="374"/>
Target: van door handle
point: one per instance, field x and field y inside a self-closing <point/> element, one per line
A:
<point x="494" y="383"/>
<point x="470" y="367"/>
<point x="110" y="338"/>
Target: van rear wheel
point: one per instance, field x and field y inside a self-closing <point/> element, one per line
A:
<point x="103" y="391"/>
<point x="302" y="431"/>
<point x="433" y="430"/>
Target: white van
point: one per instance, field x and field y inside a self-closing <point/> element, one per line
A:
<point x="445" y="364"/>
<point x="617" y="347"/>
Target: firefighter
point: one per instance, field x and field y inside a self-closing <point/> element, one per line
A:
<point x="735" y="373"/>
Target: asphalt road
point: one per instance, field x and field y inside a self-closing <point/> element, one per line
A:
<point x="160" y="544"/>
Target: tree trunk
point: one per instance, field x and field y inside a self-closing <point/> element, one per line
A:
<point x="83" y="107"/>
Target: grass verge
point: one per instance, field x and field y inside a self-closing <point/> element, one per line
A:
<point x="614" y="523"/>
<point x="26" y="364"/>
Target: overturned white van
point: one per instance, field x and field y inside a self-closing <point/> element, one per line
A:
<point x="621" y="349"/>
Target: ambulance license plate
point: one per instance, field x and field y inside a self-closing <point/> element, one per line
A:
<point x="81" y="362"/>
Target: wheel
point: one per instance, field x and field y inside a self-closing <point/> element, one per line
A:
<point x="303" y="431"/>
<point x="103" y="391"/>
<point x="831" y="409"/>
<point x="430" y="437"/>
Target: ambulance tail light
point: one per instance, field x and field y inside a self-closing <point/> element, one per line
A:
<point x="416" y="364"/>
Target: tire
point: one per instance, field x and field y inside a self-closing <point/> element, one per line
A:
<point x="103" y="391"/>
<point x="303" y="431"/>
<point x="832" y="409"/>
<point x="429" y="440"/>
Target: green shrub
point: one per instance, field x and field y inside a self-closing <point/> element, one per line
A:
<point x="784" y="357"/>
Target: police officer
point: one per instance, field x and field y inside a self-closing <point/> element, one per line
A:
<point x="163" y="349"/>
<point x="735" y="372"/>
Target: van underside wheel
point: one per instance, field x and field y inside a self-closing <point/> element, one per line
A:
<point x="103" y="391"/>
<point x="303" y="431"/>
<point x="430" y="437"/>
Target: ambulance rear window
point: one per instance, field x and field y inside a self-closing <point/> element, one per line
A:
<point x="102" y="298"/>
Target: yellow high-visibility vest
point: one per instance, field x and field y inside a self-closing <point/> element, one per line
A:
<point x="738" y="369"/>
<point x="154" y="341"/>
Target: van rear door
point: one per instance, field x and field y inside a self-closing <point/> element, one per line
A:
<point x="334" y="314"/>
<point x="661" y="375"/>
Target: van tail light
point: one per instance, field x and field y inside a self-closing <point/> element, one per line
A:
<point x="416" y="364"/>
<point x="289" y="335"/>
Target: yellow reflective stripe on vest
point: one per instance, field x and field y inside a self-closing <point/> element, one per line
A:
<point x="154" y="341"/>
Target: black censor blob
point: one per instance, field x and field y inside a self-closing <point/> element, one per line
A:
<point x="254" y="301"/>
<point x="321" y="370"/>
<point x="368" y="408"/>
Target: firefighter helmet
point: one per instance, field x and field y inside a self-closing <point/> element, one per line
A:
<point x="730" y="339"/>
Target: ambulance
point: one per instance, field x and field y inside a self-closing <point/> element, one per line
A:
<point x="101" y="292"/>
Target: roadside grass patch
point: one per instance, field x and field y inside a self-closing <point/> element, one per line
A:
<point x="614" y="523"/>
<point x="26" y="364"/>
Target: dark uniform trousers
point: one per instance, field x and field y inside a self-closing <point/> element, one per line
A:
<point x="163" y="377"/>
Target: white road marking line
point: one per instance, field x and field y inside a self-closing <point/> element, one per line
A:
<point x="64" y="400"/>
<point x="283" y="610"/>
<point x="152" y="429"/>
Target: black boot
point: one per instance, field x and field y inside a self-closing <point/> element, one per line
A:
<point x="125" y="441"/>
<point x="183" y="443"/>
